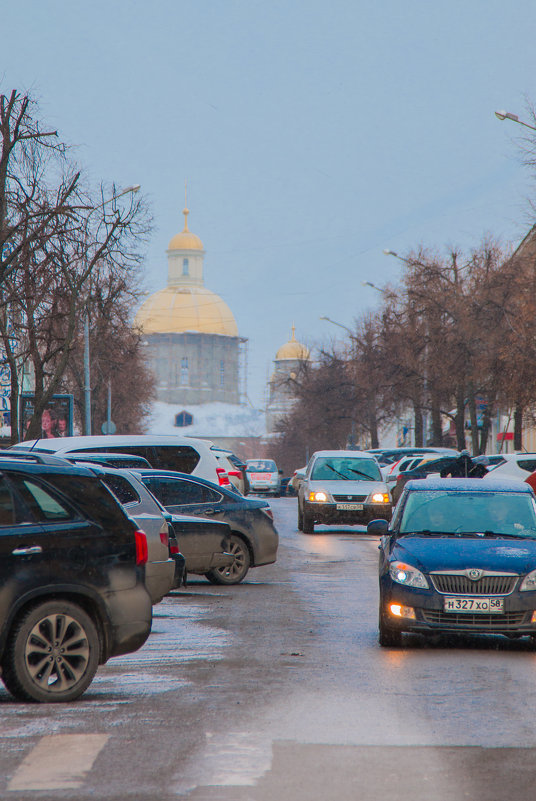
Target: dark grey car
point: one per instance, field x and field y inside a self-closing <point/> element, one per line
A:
<point x="253" y="538"/>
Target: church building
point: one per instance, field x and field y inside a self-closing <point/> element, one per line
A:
<point x="194" y="347"/>
<point x="287" y="363"/>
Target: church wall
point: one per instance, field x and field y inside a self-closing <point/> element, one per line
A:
<point x="194" y="368"/>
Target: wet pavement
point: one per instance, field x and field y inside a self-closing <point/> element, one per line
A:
<point x="277" y="689"/>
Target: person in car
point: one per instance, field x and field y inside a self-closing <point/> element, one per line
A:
<point x="463" y="467"/>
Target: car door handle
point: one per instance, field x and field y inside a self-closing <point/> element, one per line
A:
<point x="27" y="551"/>
<point x="212" y="511"/>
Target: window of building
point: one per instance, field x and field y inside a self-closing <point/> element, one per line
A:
<point x="183" y="419"/>
<point x="185" y="267"/>
<point x="184" y="371"/>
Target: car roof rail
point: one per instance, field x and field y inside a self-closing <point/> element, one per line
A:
<point x="37" y="457"/>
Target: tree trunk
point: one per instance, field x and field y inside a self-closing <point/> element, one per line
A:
<point x="437" y="429"/>
<point x="473" y="418"/>
<point x="518" y="428"/>
<point x="460" y="419"/>
<point x="417" y="422"/>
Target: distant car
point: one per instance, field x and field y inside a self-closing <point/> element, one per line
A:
<point x="72" y="593"/>
<point x="459" y="555"/>
<point x="251" y="536"/>
<point x="263" y="477"/>
<point x="426" y="467"/>
<point x="342" y="487"/>
<point x="297" y="478"/>
<point x="226" y="463"/>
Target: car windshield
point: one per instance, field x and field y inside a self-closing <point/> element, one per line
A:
<point x="345" y="468"/>
<point x="508" y="514"/>
<point x="261" y="466"/>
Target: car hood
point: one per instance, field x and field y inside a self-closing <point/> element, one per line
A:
<point x="457" y="553"/>
<point x="347" y="487"/>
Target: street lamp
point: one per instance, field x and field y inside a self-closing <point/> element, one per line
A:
<point x="507" y="115"/>
<point x="334" y="322"/>
<point x="87" y="376"/>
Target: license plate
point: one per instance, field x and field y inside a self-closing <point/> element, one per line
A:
<point x="263" y="477"/>
<point x="350" y="507"/>
<point x="474" y="605"/>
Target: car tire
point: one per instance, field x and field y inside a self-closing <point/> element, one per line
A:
<point x="64" y="630"/>
<point x="236" y="572"/>
<point x="300" y="518"/>
<point x="308" y="525"/>
<point x="387" y="636"/>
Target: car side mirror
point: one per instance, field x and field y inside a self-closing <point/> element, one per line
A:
<point x="378" y="528"/>
<point x="280" y="472"/>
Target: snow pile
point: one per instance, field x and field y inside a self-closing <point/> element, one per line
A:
<point x="209" y="419"/>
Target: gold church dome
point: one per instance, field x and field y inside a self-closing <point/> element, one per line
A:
<point x="174" y="310"/>
<point x="292" y="350"/>
<point x="185" y="240"/>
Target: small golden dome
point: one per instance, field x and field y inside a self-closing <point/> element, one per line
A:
<point x="185" y="240"/>
<point x="292" y="350"/>
<point x="175" y="310"/>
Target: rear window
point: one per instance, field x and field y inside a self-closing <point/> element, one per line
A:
<point x="122" y="489"/>
<point x="527" y="464"/>
<point x="180" y="458"/>
<point x="91" y="496"/>
<point x="261" y="466"/>
<point x="173" y="492"/>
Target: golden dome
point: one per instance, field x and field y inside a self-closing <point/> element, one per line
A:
<point x="174" y="310"/>
<point x="185" y="240"/>
<point x="292" y="350"/>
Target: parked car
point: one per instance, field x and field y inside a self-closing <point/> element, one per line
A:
<point x="510" y="465"/>
<point x="342" y="487"/>
<point x="426" y="467"/>
<point x="459" y="555"/>
<point x="227" y="467"/>
<point x="251" y="538"/>
<point x="128" y="461"/>
<point x="296" y="479"/>
<point x="72" y="591"/>
<point x="263" y="477"/>
<point x="163" y="452"/>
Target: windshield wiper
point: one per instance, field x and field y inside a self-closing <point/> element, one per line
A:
<point x="365" y="475"/>
<point x="425" y="532"/>
<point x="346" y="478"/>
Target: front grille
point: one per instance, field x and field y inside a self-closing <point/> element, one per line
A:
<point x="488" y="622"/>
<point x="461" y="585"/>
<point x="350" y="498"/>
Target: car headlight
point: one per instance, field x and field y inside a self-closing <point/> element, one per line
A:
<point x="379" y="497"/>
<point x="529" y="582"/>
<point x="407" y="575"/>
<point x="318" y="497"/>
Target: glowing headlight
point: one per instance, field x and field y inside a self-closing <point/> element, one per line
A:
<point x="318" y="497"/>
<point x="407" y="575"/>
<point x="397" y="610"/>
<point x="529" y="582"/>
<point x="380" y="497"/>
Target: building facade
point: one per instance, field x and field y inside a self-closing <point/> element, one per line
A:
<point x="288" y="362"/>
<point x="193" y="344"/>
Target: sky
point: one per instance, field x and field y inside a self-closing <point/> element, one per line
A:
<point x="312" y="136"/>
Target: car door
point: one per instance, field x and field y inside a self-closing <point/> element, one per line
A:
<point x="185" y="497"/>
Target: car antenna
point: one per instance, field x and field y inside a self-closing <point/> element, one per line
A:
<point x="35" y="443"/>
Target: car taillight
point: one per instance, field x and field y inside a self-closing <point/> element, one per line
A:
<point x="235" y="473"/>
<point x="173" y="548"/>
<point x="141" y="547"/>
<point x="268" y="512"/>
<point x="223" y="478"/>
<point x="164" y="538"/>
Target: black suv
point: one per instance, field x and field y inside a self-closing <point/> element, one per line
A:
<point x="72" y="590"/>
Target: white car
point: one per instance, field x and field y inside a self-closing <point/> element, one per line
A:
<point x="510" y="465"/>
<point x="181" y="454"/>
<point x="263" y="477"/>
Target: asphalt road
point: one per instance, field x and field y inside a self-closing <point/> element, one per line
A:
<point x="277" y="689"/>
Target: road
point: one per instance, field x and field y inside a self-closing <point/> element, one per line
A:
<point x="277" y="689"/>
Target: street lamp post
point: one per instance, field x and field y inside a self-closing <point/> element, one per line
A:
<point x="87" y="373"/>
<point x="351" y="442"/>
<point x="507" y="115"/>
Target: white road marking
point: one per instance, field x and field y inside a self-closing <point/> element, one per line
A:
<point x="58" y="762"/>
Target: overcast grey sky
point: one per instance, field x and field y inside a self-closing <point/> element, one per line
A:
<point x="312" y="135"/>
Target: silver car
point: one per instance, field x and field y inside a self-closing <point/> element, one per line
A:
<point x="342" y="487"/>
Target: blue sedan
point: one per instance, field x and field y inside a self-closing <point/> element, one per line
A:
<point x="459" y="555"/>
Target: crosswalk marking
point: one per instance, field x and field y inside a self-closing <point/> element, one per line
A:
<point x="58" y="762"/>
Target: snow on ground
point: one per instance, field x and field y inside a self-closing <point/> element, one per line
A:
<point x="209" y="419"/>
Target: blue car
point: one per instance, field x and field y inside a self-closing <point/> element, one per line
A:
<point x="458" y="556"/>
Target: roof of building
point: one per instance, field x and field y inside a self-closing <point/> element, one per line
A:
<point x="174" y="310"/>
<point x="292" y="350"/>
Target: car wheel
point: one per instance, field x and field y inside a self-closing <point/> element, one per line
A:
<point x="308" y="526"/>
<point x="387" y="636"/>
<point x="52" y="653"/>
<point x="235" y="573"/>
